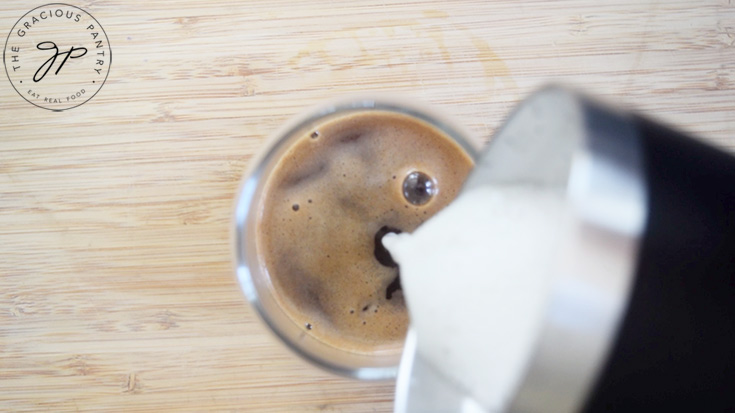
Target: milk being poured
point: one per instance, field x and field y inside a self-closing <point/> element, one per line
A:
<point x="476" y="278"/>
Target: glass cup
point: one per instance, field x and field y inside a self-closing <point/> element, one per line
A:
<point x="254" y="280"/>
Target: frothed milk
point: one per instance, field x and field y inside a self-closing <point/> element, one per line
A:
<point x="326" y="206"/>
<point x="476" y="278"/>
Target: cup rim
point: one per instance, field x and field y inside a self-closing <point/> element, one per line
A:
<point x="254" y="175"/>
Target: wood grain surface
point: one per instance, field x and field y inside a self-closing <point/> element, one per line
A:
<point x="116" y="287"/>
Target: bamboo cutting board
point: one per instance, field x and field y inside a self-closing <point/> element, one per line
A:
<point x="116" y="289"/>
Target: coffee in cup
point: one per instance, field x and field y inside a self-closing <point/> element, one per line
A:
<point x="326" y="204"/>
